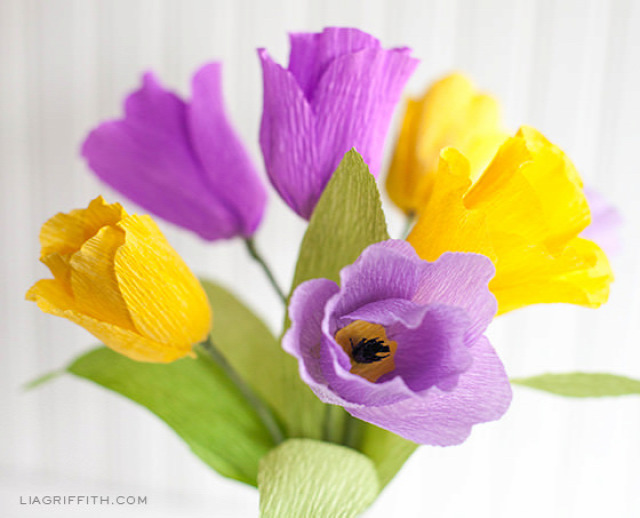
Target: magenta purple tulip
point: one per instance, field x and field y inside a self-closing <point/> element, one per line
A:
<point x="338" y="92"/>
<point x="181" y="160"/>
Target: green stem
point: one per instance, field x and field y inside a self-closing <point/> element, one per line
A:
<point x="333" y="424"/>
<point x="263" y="411"/>
<point x="352" y="432"/>
<point x="253" y="252"/>
<point x="407" y="225"/>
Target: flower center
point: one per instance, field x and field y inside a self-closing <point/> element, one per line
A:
<point x="369" y="349"/>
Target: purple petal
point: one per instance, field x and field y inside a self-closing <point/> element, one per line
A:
<point x="605" y="225"/>
<point x="323" y="365"/>
<point x="228" y="169"/>
<point x="352" y="389"/>
<point x="311" y="53"/>
<point x="353" y="102"/>
<point x="287" y="139"/>
<point x="303" y="339"/>
<point x="435" y="352"/>
<point x="149" y="156"/>
<point x="460" y="280"/>
<point x="383" y="271"/>
<point x="431" y="346"/>
<point x="440" y="418"/>
<point x="338" y="93"/>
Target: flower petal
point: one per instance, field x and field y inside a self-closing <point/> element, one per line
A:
<point x="303" y="339"/>
<point x="383" y="271"/>
<point x="93" y="279"/>
<point x="174" y="311"/>
<point x="229" y="171"/>
<point x="442" y="418"/>
<point x="354" y="101"/>
<point x="531" y="189"/>
<point x="312" y="53"/>
<point x="450" y="113"/>
<point x="461" y="280"/>
<point x="288" y="118"/>
<point x="149" y="157"/>
<point x="431" y="338"/>
<point x="448" y="225"/>
<point x="65" y="233"/>
<point x="605" y="225"/>
<point x="52" y="298"/>
<point x="581" y="275"/>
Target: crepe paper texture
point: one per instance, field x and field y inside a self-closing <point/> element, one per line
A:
<point x="334" y="239"/>
<point x="525" y="213"/>
<point x="181" y="160"/>
<point x="582" y="384"/>
<point x="118" y="277"/>
<point x="400" y="343"/>
<point x="450" y="113"/>
<point x="338" y="92"/>
<point x="304" y="478"/>
<point x="196" y="399"/>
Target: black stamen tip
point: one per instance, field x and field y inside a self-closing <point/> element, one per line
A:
<point x="368" y="350"/>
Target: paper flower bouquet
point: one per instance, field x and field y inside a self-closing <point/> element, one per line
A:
<point x="384" y="345"/>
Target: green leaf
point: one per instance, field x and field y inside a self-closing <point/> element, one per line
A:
<point x="347" y="219"/>
<point x="196" y="399"/>
<point x="43" y="379"/>
<point x="388" y="451"/>
<point x="582" y="384"/>
<point x="248" y="345"/>
<point x="306" y="478"/>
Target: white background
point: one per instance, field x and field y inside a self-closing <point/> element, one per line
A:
<point x="568" y="68"/>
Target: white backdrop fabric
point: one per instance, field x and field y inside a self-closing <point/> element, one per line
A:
<point x="569" y="68"/>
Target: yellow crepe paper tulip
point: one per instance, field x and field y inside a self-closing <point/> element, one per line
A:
<point x="117" y="276"/>
<point x="450" y="113"/>
<point x="524" y="212"/>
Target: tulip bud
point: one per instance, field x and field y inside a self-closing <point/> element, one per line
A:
<point x="118" y="277"/>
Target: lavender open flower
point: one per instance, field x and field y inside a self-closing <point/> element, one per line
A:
<point x="400" y="343"/>
<point x="339" y="92"/>
<point x="181" y="160"/>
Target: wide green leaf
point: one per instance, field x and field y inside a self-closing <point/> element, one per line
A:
<point x="347" y="219"/>
<point x="303" y="478"/>
<point x="193" y="396"/>
<point x="582" y="384"/>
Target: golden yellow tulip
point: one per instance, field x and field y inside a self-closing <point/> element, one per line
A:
<point x="524" y="212"/>
<point x="450" y="113"/>
<point x="117" y="276"/>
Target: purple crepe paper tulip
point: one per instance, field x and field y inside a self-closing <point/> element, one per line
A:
<point x="447" y="377"/>
<point x="181" y="160"/>
<point x="605" y="225"/>
<point x="339" y="92"/>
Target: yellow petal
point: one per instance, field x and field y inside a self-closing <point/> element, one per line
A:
<point x="93" y="279"/>
<point x="65" y="233"/>
<point x="580" y="275"/>
<point x="165" y="300"/>
<point x="524" y="213"/>
<point x="532" y="189"/>
<point x="451" y="113"/>
<point x="446" y="224"/>
<point x="52" y="298"/>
